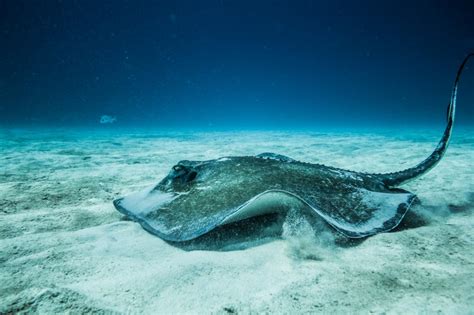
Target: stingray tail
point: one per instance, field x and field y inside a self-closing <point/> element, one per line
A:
<point x="399" y="178"/>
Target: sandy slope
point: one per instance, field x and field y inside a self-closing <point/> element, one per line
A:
<point x="63" y="247"/>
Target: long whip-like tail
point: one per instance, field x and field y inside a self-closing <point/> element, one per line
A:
<point x="399" y="178"/>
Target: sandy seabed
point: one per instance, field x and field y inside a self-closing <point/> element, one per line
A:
<point x="64" y="248"/>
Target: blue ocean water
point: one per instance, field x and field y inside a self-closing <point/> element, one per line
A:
<point x="227" y="65"/>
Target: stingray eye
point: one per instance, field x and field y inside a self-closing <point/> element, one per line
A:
<point x="178" y="168"/>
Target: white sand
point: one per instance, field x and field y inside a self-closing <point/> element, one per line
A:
<point x="63" y="247"/>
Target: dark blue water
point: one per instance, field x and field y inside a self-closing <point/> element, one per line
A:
<point x="234" y="64"/>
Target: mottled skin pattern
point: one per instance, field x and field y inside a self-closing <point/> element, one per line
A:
<point x="209" y="191"/>
<point x="196" y="196"/>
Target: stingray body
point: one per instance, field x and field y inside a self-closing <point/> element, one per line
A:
<point x="198" y="196"/>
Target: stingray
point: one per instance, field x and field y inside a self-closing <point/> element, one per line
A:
<point x="199" y="196"/>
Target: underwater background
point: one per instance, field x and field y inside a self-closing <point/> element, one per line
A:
<point x="99" y="99"/>
<point x="233" y="64"/>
